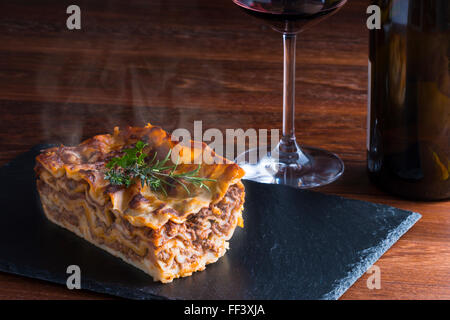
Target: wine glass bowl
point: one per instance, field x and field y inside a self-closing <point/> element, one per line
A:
<point x="289" y="163"/>
<point x="291" y="16"/>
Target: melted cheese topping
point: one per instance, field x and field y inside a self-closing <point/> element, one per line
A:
<point x="141" y="206"/>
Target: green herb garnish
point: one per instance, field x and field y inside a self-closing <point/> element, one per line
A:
<point x="125" y="170"/>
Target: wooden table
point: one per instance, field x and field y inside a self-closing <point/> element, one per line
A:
<point x="173" y="62"/>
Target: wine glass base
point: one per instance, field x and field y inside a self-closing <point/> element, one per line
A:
<point x="317" y="167"/>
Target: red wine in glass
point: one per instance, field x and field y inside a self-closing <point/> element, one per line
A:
<point x="290" y="15"/>
<point x="289" y="163"/>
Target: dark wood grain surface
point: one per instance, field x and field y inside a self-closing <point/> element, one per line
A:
<point x="176" y="61"/>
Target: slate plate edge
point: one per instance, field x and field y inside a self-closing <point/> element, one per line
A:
<point x="360" y="268"/>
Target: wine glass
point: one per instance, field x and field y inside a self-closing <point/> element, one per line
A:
<point x="290" y="164"/>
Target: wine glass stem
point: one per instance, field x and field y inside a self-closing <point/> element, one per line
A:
<point x="288" y="143"/>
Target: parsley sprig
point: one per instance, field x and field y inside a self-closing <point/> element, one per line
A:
<point x="133" y="165"/>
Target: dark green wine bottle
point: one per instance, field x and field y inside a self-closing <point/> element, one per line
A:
<point x="408" y="138"/>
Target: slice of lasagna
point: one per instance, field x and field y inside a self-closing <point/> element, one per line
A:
<point x="166" y="233"/>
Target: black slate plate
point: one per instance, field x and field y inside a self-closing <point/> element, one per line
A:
<point x="295" y="245"/>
